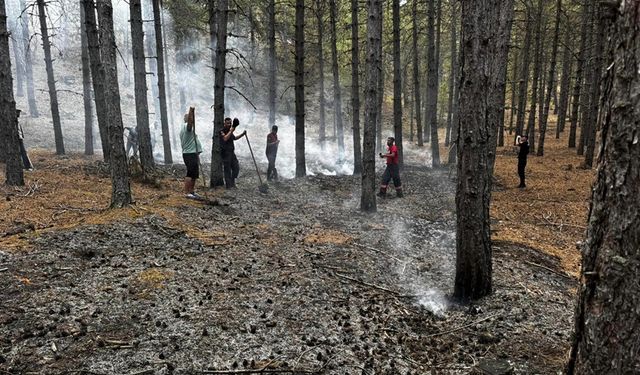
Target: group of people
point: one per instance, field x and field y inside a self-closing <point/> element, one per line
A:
<point x="191" y="149"/>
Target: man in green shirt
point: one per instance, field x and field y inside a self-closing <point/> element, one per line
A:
<point x="191" y="149"/>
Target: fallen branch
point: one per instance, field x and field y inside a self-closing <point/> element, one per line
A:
<point x="369" y="285"/>
<point x="258" y="371"/>
<point x="549" y="269"/>
<point x="463" y="327"/>
<point x="376" y="250"/>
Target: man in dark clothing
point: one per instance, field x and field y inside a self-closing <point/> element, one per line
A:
<point x="523" y="143"/>
<point x="272" y="152"/>
<point x="392" y="171"/>
<point x="132" y="141"/>
<point x="227" y="149"/>
<point x="26" y="162"/>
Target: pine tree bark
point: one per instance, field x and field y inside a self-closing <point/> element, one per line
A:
<point x="320" y="20"/>
<point x="587" y="84"/>
<point x="120" y="181"/>
<point x="86" y="85"/>
<point x="373" y="66"/>
<point x="455" y="123"/>
<point x="355" y="88"/>
<point x="12" y="26"/>
<point x="565" y="83"/>
<point x="97" y="75"/>
<point x="140" y="87"/>
<point x="431" y="116"/>
<point x="218" y="29"/>
<point x="594" y="105"/>
<point x="514" y="79"/>
<point x="485" y="44"/>
<point x="337" y="91"/>
<point x="301" y="168"/>
<point x="499" y="87"/>
<point x="551" y="84"/>
<point x="397" y="82"/>
<point x="162" y="94"/>
<point x="28" y="62"/>
<point x="606" y="319"/>
<point x="452" y="74"/>
<point x="537" y="67"/>
<point x="577" y="88"/>
<point x="416" y="76"/>
<point x="523" y="85"/>
<point x="271" y="36"/>
<point x="9" y="140"/>
<point x="379" y="145"/>
<point x="51" y="81"/>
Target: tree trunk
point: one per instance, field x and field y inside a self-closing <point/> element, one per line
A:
<point x="524" y="73"/>
<point x="162" y="96"/>
<point x="551" y="84"/>
<point x="322" y="125"/>
<point x="17" y="54"/>
<point x="565" y="83"/>
<point x="28" y="62"/>
<point x="337" y="92"/>
<point x="355" y="88"/>
<point x="432" y="85"/>
<point x="416" y="77"/>
<point x="51" y="81"/>
<point x="397" y="82"/>
<point x="218" y="30"/>
<point x="121" y="189"/>
<point x="452" y="75"/>
<point x="606" y="319"/>
<point x="380" y="91"/>
<point x="8" y="120"/>
<point x="271" y="36"/>
<point x="151" y="53"/>
<point x="140" y="85"/>
<point x="501" y="60"/>
<point x="373" y="66"/>
<point x="577" y="88"/>
<point x="587" y="84"/>
<point x="485" y="44"/>
<point x="97" y="75"/>
<point x="86" y="86"/>
<point x="455" y="123"/>
<point x="301" y="168"/>
<point x="537" y="67"/>
<point x="514" y="79"/>
<point x="170" y="109"/>
<point x="596" y="73"/>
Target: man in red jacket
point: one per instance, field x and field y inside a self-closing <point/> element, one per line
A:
<point x="392" y="171"/>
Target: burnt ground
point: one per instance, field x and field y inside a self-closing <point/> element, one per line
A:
<point x="295" y="281"/>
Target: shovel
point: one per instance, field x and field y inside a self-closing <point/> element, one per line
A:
<point x="263" y="188"/>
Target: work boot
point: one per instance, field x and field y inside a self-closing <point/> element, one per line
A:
<point x="399" y="194"/>
<point x="382" y="194"/>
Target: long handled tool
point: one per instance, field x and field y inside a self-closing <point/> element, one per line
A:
<point x="263" y="188"/>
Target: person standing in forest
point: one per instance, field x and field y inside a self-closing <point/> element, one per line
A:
<point x="191" y="149"/>
<point x="392" y="171"/>
<point x="26" y="162"/>
<point x="272" y="152"/>
<point x="132" y="141"/>
<point x="227" y="149"/>
<point x="523" y="143"/>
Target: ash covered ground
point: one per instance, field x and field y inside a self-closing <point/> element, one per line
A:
<point x="294" y="281"/>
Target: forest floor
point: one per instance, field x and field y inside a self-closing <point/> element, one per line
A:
<point x="293" y="281"/>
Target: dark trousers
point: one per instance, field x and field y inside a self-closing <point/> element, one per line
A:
<point x="231" y="169"/>
<point x="272" y="172"/>
<point x="26" y="163"/>
<point x="522" y="163"/>
<point x="392" y="172"/>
